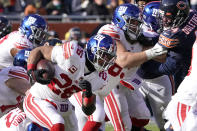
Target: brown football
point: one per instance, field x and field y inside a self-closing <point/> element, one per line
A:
<point x="48" y="66"/>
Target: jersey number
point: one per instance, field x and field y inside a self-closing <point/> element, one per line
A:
<point x="68" y="83"/>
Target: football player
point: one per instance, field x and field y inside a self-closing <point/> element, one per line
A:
<point x="14" y="85"/>
<point x="180" y="23"/>
<point x="123" y="32"/>
<point x="157" y="88"/>
<point x="31" y="33"/>
<point x="16" y="119"/>
<point x="43" y="103"/>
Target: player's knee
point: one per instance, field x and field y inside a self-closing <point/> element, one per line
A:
<point x="57" y="127"/>
<point x="139" y="122"/>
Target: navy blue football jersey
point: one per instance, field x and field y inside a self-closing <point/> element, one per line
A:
<point x="179" y="42"/>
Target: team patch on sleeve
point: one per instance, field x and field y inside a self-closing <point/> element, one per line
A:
<point x="168" y="42"/>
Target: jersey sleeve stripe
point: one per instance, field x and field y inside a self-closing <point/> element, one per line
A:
<point x="69" y="47"/>
<point x="21" y="46"/>
<point x="21" y="75"/>
<point x="113" y="34"/>
<point x="66" y="55"/>
<point x="167" y="42"/>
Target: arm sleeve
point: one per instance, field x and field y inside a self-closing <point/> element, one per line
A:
<point x="171" y="66"/>
<point x="57" y="54"/>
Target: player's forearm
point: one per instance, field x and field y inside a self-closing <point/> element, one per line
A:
<point x="34" y="57"/>
<point x="18" y="85"/>
<point x="129" y="59"/>
<point x="43" y="52"/>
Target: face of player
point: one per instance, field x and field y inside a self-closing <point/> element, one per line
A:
<point x="167" y="21"/>
<point x="141" y="4"/>
<point x="133" y="25"/>
<point x="105" y="60"/>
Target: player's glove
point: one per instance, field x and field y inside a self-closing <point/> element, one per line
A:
<point x="155" y="51"/>
<point x="88" y="98"/>
<point x="37" y="76"/>
<point x="86" y="87"/>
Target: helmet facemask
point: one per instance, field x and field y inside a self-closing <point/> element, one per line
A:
<point x="132" y="26"/>
<point x="174" y="17"/>
<point x="103" y="58"/>
<point x="38" y="35"/>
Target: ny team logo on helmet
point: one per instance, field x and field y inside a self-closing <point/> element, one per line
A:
<point x="35" y="28"/>
<point x="151" y="15"/>
<point x="20" y="59"/>
<point x="101" y="51"/>
<point x="127" y="17"/>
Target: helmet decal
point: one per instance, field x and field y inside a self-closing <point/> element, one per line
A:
<point x="181" y="5"/>
<point x="122" y="9"/>
<point x="31" y="20"/>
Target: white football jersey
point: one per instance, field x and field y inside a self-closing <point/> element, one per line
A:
<point x="10" y="99"/>
<point x="69" y="66"/>
<point x="117" y="73"/>
<point x="15" y="120"/>
<point x="187" y="93"/>
<point x="13" y="40"/>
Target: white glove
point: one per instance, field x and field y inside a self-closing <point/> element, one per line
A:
<point x="155" y="51"/>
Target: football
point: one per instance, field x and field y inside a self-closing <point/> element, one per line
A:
<point x="48" y="66"/>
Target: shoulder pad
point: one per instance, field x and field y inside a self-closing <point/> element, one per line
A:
<point x="169" y="38"/>
<point x="112" y="31"/>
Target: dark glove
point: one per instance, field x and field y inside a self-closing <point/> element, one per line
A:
<point x="37" y="76"/>
<point x="86" y="88"/>
<point x="31" y="75"/>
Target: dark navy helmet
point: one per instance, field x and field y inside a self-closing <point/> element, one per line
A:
<point x="20" y="59"/>
<point x="54" y="42"/>
<point x="5" y="26"/>
<point x="75" y="33"/>
<point x="35" y="28"/>
<point x="175" y="12"/>
<point x="127" y="17"/>
<point x="101" y="51"/>
<point x="151" y="15"/>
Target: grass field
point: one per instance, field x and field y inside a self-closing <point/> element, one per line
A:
<point x="151" y="127"/>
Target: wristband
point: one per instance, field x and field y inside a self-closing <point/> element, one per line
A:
<point x="31" y="66"/>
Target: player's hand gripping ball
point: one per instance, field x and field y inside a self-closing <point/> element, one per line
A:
<point x="45" y="71"/>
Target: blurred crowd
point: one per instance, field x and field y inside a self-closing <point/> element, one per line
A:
<point x="65" y="7"/>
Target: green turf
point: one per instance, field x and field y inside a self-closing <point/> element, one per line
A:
<point x="150" y="127"/>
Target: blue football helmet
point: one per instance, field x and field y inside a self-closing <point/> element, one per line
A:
<point x="127" y="17"/>
<point x="101" y="51"/>
<point x="35" y="28"/>
<point x="5" y="26"/>
<point x="36" y="127"/>
<point x="151" y="16"/>
<point x="20" y="59"/>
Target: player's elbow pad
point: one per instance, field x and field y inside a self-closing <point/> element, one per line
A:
<point x="88" y="104"/>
